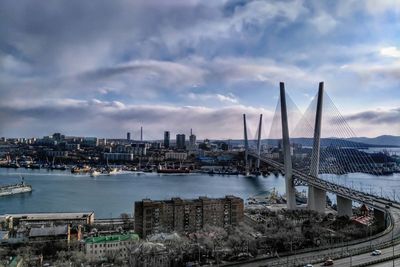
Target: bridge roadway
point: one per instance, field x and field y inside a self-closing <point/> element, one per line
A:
<point x="365" y="245"/>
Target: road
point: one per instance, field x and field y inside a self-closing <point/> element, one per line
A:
<point x="367" y="258"/>
<point x="387" y="264"/>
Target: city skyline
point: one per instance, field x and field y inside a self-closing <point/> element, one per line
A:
<point x="104" y="71"/>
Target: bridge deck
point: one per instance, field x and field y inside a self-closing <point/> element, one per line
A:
<point x="358" y="196"/>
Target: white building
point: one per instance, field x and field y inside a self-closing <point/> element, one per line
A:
<point x="119" y="156"/>
<point x="101" y="247"/>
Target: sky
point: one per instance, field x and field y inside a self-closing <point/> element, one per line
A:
<point x="102" y="68"/>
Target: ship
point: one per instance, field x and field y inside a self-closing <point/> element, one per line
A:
<point x="172" y="170"/>
<point x="8" y="190"/>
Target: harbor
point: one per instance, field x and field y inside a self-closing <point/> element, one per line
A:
<point x="111" y="195"/>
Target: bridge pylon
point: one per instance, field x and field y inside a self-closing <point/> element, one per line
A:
<point x="316" y="196"/>
<point x="287" y="158"/>
<point x="259" y="142"/>
<point x="246" y="145"/>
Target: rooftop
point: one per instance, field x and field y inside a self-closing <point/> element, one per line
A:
<point x="111" y="238"/>
<point x="178" y="199"/>
<point x="53" y="216"/>
<point x="49" y="231"/>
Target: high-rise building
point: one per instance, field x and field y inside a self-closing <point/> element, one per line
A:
<point x="180" y="141"/>
<point x="192" y="141"/>
<point x="128" y="136"/>
<point x="186" y="215"/>
<point x="58" y="137"/>
<point x="166" y="139"/>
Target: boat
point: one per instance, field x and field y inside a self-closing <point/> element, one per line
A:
<point x="58" y="167"/>
<point x="113" y="171"/>
<point x="301" y="197"/>
<point x="8" y="190"/>
<point x="94" y="173"/>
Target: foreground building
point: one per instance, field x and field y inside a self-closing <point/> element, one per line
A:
<point x="121" y="245"/>
<point x="187" y="215"/>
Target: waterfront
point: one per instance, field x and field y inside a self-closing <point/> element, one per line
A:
<point x="109" y="196"/>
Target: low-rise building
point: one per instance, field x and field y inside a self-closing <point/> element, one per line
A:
<point x="57" y="153"/>
<point x="53" y="233"/>
<point x="72" y="147"/>
<point x="4" y="235"/>
<point x="176" y="155"/>
<point x="98" y="248"/>
<point x="57" y="218"/>
<point x="118" y="156"/>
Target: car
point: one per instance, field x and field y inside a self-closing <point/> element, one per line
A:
<point x="328" y="262"/>
<point x="376" y="252"/>
<point x="308" y="265"/>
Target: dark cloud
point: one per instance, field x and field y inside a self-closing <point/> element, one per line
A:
<point x="112" y="119"/>
<point x="391" y="117"/>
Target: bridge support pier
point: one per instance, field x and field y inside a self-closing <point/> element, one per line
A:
<point x="380" y="218"/>
<point x="344" y="206"/>
<point x="316" y="199"/>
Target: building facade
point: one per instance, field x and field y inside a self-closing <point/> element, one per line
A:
<point x="187" y="215"/>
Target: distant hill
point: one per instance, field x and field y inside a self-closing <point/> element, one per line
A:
<point x="380" y="141"/>
<point x="331" y="142"/>
<point x="383" y="140"/>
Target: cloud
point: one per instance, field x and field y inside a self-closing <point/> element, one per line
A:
<point x="375" y="70"/>
<point x="324" y="22"/>
<point x="170" y="74"/>
<point x="390" y="51"/>
<point x="382" y="6"/>
<point x="229" y="98"/>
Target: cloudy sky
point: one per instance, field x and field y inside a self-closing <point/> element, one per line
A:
<point x="101" y="68"/>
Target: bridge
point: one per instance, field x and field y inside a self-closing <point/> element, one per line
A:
<point x="386" y="211"/>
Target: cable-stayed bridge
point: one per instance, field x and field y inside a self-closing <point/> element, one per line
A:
<point x="338" y="157"/>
